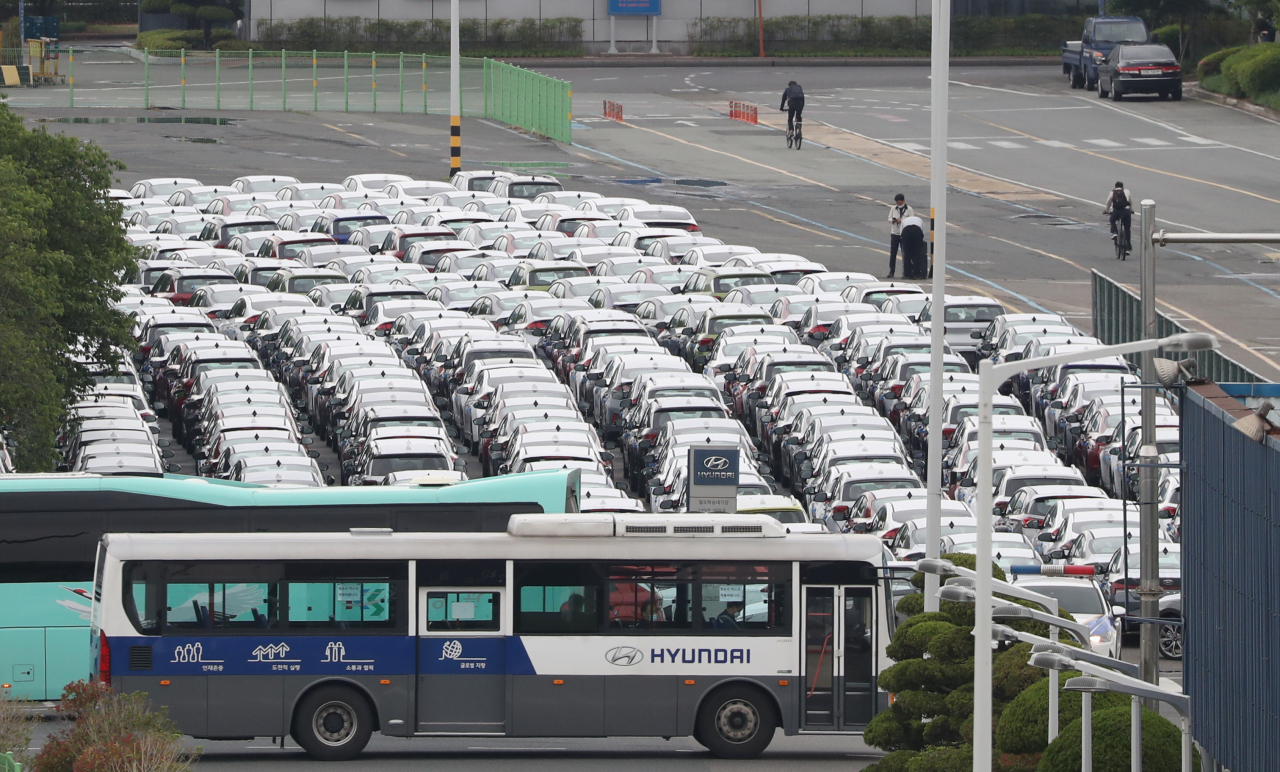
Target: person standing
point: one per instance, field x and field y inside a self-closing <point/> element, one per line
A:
<point x="897" y="213"/>
<point x="915" y="249"/>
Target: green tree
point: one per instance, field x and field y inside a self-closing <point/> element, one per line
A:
<point x="202" y="14"/>
<point x="62" y="251"/>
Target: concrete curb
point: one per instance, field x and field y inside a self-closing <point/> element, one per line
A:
<point x="633" y="60"/>
<point x="1194" y="91"/>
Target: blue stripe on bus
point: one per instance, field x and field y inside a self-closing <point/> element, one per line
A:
<point x="323" y="655"/>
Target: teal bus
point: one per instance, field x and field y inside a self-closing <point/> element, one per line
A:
<point x="50" y="526"/>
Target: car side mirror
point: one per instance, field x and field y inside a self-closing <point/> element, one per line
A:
<point x="862" y="361"/>
<point x="687" y="331"/>
<point x="172" y="468"/>
<point x="330" y="480"/>
<point x="819" y="335"/>
<point x="1076" y="430"/>
<point x="966" y="482"/>
<point x="459" y="466"/>
<point x="667" y="504"/>
<point x="1046" y="537"/>
<point x="1119" y="611"/>
<point x="504" y="320"/>
<point x="976" y="334"/>
<point x="819" y="496"/>
<point x="837" y="346"/>
<point x="1058" y="555"/>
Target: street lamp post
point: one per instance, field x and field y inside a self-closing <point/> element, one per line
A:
<point x="990" y="376"/>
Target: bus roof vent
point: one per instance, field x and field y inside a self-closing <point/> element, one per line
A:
<point x="576" y="524"/>
<point x="649" y="529"/>
<point x="694" y="529"/>
<point x="727" y="529"/>
<point x="699" y="525"/>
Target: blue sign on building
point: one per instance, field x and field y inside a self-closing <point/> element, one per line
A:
<point x="715" y="467"/>
<point x="635" y="7"/>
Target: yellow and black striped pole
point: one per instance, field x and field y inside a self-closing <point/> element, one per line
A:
<point x="455" y="93"/>
<point x="932" y="217"/>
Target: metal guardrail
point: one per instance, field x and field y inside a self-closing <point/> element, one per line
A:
<point x="318" y="81"/>
<point x="1117" y="318"/>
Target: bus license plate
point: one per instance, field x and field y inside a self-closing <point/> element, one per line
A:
<point x="1152" y="72"/>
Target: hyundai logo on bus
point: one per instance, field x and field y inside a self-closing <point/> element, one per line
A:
<point x="625" y="656"/>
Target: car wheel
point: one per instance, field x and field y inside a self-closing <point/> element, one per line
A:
<point x="1091" y="85"/>
<point x="1176" y="94"/>
<point x="333" y="723"/>
<point x="1102" y="94"/>
<point x="1077" y="77"/>
<point x="1116" y="93"/>
<point x="1171" y="641"/>
<point x="736" y="722"/>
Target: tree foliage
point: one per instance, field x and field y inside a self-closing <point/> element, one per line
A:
<point x="201" y="14"/>
<point x="62" y="252"/>
<point x="1161" y="743"/>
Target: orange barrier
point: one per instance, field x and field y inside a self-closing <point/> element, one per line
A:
<point x="612" y="110"/>
<point x="744" y="111"/>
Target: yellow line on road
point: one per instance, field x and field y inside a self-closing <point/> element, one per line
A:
<point x="730" y="155"/>
<point x="364" y="139"/>
<point x="793" y="225"/>
<point x="598" y="161"/>
<point x="1113" y="159"/>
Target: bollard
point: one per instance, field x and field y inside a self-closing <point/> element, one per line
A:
<point x="250" y="78"/>
<point x="315" y="84"/>
<point x="402" y="81"/>
<point x="284" y="81"/>
<point x="71" y="76"/>
<point x="373" y="62"/>
<point x="183" y="75"/>
<point x="217" y="78"/>
<point x="346" y="90"/>
<point x="424" y="84"/>
<point x="146" y="78"/>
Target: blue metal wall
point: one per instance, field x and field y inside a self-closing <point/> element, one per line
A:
<point x="1231" y="583"/>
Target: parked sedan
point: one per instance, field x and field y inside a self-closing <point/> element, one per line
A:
<point x="1140" y="69"/>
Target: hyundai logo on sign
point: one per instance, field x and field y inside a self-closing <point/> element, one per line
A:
<point x="624" y="656"/>
<point x="715" y="466"/>
<point x="716" y="463"/>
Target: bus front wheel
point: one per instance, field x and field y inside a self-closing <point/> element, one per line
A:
<point x="736" y="722"/>
<point x="333" y="723"/>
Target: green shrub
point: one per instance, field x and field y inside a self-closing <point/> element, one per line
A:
<point x="912" y="642"/>
<point x="942" y="759"/>
<point x="499" y="37"/>
<point x="1212" y="64"/>
<point x="911" y="605"/>
<point x="1010" y="673"/>
<point x="74" y="26"/>
<point x="1215" y="83"/>
<point x="894" y="762"/>
<point x="1233" y="67"/>
<point x="16" y="728"/>
<point x="1024" y="724"/>
<point x="952" y="646"/>
<point x="111" y="732"/>
<point x="1161" y="743"/>
<point x="1169" y="35"/>
<point x="894" y="730"/>
<point x="1261" y="75"/>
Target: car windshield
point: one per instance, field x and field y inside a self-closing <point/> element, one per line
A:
<point x="304" y="284"/>
<point x="781" y="515"/>
<point x="852" y="490"/>
<point x="727" y="283"/>
<point x="205" y="367"/>
<point x="876" y="298"/>
<point x="1147" y="54"/>
<point x="812" y="367"/>
<point x="664" y="417"/>
<point x="1119" y="32"/>
<point x="531" y="189"/>
<point x="115" y="378"/>
<point x="722" y="323"/>
<point x="351" y="224"/>
<point x="194" y="283"/>
<point x="1082" y="598"/>
<point x="1025" y="436"/>
<point x="259" y="277"/>
<point x="972" y="314"/>
<point x="962" y="412"/>
<point x="789" y="277"/>
<point x="923" y="367"/>
<point x="294" y="251"/>
<point x="684" y="391"/>
<point x="385" y="465"/>
<point x="1018" y="483"/>
<point x="548" y="276"/>
<point x="1103" y="545"/>
<point x="165" y="188"/>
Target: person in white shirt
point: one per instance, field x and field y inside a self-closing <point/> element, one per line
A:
<point x="1120" y="207"/>
<point x="897" y="213"/>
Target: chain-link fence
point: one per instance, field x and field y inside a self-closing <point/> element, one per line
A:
<point x="1117" y="318"/>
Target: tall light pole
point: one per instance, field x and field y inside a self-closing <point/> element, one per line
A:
<point x="990" y="376"/>
<point x="939" y="93"/>
<point x="455" y="91"/>
<point x="1149" y="591"/>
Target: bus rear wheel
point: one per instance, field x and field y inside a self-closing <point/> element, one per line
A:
<point x="333" y="723"/>
<point x="736" y="722"/>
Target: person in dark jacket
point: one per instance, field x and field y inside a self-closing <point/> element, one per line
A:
<point x="793" y="103"/>
<point x="915" y="250"/>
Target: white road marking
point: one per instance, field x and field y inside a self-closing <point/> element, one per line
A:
<point x="688" y="123"/>
<point x="1150" y="141"/>
<point x="1055" y="143"/>
<point x="961" y="146"/>
<point x="912" y="146"/>
<point x="1198" y="140"/>
<point x="1007" y="144"/>
<point x="1104" y="142"/>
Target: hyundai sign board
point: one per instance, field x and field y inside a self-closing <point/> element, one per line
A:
<point x="635" y="7"/>
<point x="713" y="479"/>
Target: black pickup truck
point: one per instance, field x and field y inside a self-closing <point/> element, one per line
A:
<point x="1080" y="58"/>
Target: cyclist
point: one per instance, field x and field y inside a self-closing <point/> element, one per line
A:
<point x="793" y="103"/>
<point x="1120" y="207"/>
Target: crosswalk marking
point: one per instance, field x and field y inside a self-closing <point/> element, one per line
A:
<point x="1007" y="144"/>
<point x="1152" y="142"/>
<point x="961" y="146"/>
<point x="1056" y="143"/>
<point x="912" y="146"/>
<point x="1104" y="142"/>
<point x="1198" y="140"/>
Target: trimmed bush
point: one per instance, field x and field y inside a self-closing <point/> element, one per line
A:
<point x="16" y="728"/>
<point x="894" y="762"/>
<point x="952" y="646"/>
<point x="1212" y="64"/>
<point x="1169" y="35"/>
<point x="111" y="732"/>
<point x="1010" y="673"/>
<point x="499" y="37"/>
<point x="911" y="605"/>
<point x="1161" y="743"/>
<point x="1024" y="724"/>
<point x="912" y="642"/>
<point x="1233" y="67"/>
<point x="1261" y="75"/>
<point x="943" y="759"/>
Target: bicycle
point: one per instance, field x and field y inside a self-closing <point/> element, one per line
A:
<point x="795" y="135"/>
<point x="1121" y="236"/>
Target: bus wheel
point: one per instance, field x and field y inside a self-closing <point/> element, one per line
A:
<point x="736" y="722"/>
<point x="333" y="723"/>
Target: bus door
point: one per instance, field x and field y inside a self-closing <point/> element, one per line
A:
<point x="838" y="660"/>
<point x="462" y="669"/>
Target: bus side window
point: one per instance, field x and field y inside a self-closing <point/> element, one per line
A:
<point x="557" y="598"/>
<point x="643" y="598"/>
<point x="356" y="596"/>
<point x="220" y="605"/>
<point x="746" y="598"/>
<point x="449" y="611"/>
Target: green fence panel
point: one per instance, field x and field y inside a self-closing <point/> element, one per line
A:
<point x="1117" y="318"/>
